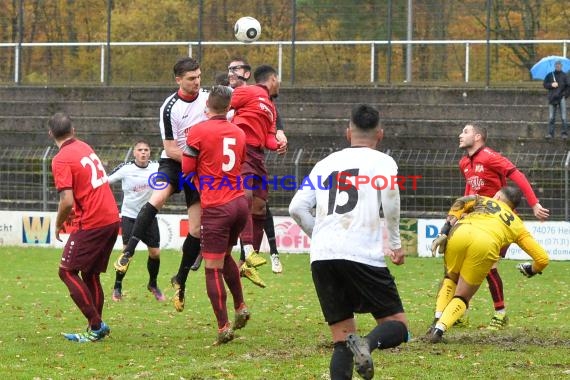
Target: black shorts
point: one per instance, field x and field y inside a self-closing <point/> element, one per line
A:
<point x="346" y="287"/>
<point x="151" y="236"/>
<point x="173" y="170"/>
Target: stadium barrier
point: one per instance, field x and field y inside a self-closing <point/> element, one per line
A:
<point x="27" y="183"/>
<point x="33" y="228"/>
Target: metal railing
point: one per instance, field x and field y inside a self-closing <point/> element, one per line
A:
<point x="27" y="183"/>
<point x="372" y="45"/>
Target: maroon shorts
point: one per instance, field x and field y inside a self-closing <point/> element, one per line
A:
<point x="221" y="226"/>
<point x="254" y="172"/>
<point x="89" y="250"/>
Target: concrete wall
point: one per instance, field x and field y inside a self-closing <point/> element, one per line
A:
<point x="414" y="118"/>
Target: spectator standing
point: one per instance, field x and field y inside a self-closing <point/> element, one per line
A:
<point x="558" y="86"/>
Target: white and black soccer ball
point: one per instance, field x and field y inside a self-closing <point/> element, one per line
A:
<point x="247" y="29"/>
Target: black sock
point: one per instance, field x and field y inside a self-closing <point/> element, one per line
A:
<point x="387" y="335"/>
<point x="144" y="219"/>
<point x="269" y="229"/>
<point x="341" y="362"/>
<point x="153" y="265"/>
<point x="242" y="252"/>
<point x="190" y="251"/>
<point x="119" y="280"/>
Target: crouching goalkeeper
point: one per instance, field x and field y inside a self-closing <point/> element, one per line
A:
<point x="471" y="246"/>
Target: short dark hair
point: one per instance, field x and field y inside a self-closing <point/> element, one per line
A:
<point x="221" y="78"/>
<point x="263" y="73"/>
<point x="183" y="65"/>
<point x="60" y="125"/>
<point x="219" y="99"/>
<point x="479" y="129"/>
<point x="141" y="141"/>
<point x="513" y="194"/>
<point x="365" y="117"/>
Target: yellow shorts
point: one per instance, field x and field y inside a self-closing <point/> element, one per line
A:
<point x="471" y="253"/>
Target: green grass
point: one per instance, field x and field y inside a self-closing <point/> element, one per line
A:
<point x="286" y="337"/>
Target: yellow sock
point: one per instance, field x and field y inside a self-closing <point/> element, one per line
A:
<point x="454" y="310"/>
<point x="445" y="294"/>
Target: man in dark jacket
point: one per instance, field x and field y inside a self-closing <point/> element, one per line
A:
<point x="558" y="87"/>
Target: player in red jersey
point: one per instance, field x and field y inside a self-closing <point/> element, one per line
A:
<point x="486" y="172"/>
<point x="81" y="180"/>
<point x="215" y="151"/>
<point x="256" y="115"/>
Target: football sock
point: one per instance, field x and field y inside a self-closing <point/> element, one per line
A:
<point x="258" y="225"/>
<point x="119" y="280"/>
<point x="269" y="229"/>
<point x="242" y="252"/>
<point x="217" y="293"/>
<point x="452" y="313"/>
<point x="144" y="219"/>
<point x="93" y="283"/>
<point x="496" y="288"/>
<point x="341" y="362"/>
<point x="232" y="279"/>
<point x="153" y="266"/>
<point x="387" y="335"/>
<point x="80" y="294"/>
<point x="444" y="296"/>
<point x="190" y="251"/>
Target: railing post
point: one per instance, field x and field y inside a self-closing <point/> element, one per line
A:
<point x="566" y="187"/>
<point x="372" y="61"/>
<point x="297" y="159"/>
<point x="44" y="179"/>
<point x="280" y="61"/>
<point x="16" y="63"/>
<point x="467" y="62"/>
<point x="102" y="63"/>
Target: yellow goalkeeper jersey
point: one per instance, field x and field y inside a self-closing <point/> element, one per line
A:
<point x="499" y="224"/>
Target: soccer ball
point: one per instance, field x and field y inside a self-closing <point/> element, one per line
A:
<point x="247" y="29"/>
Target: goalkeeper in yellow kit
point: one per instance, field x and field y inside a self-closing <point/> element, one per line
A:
<point x="476" y="229"/>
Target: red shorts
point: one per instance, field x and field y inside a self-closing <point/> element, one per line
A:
<point x="89" y="250"/>
<point x="254" y="169"/>
<point x="221" y="226"/>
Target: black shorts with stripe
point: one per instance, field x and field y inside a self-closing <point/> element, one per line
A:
<point x="346" y="287"/>
<point x="151" y="236"/>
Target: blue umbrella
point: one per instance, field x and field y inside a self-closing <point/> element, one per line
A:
<point x="546" y="65"/>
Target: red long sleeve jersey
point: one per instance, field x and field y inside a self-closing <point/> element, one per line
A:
<point x="486" y="172"/>
<point x="255" y="113"/>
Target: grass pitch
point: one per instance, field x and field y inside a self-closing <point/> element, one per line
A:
<point x="286" y="337"/>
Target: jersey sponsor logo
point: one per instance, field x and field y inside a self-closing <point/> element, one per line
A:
<point x="479" y="168"/>
<point x="36" y="229"/>
<point x="476" y="183"/>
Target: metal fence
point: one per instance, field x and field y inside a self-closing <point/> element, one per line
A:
<point x="360" y="62"/>
<point x="27" y="183"/>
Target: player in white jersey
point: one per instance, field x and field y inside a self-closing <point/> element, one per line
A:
<point x="348" y="189"/>
<point x="179" y="112"/>
<point x="133" y="176"/>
